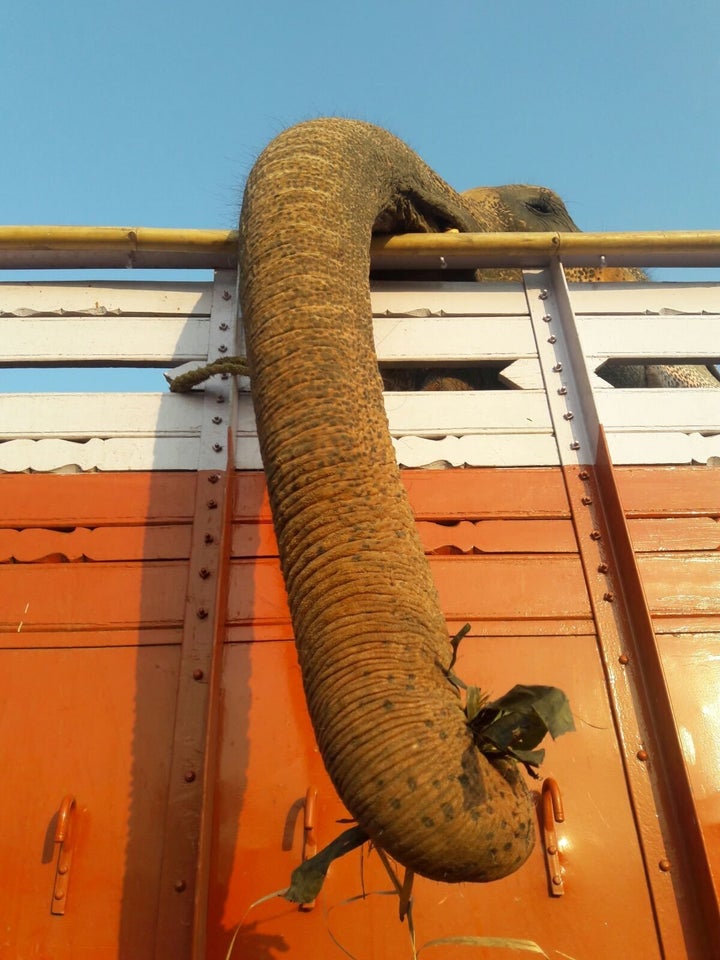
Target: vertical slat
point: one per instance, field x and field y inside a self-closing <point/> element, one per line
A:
<point x="180" y="933"/>
<point x="676" y="864"/>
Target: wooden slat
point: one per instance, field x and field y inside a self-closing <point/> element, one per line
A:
<point x="484" y="536"/>
<point x="516" y="449"/>
<point x="95" y="637"/>
<point x="399" y="339"/>
<point x="138" y="453"/>
<point x="449" y="299"/>
<point x="604" y="298"/>
<point x="439" y="414"/>
<point x="104" y="543"/>
<point x="662" y="448"/>
<point x="88" y="596"/>
<point x="93" y="499"/>
<point x="669" y="491"/>
<point x="88" y="415"/>
<point x="109" y="340"/>
<point x="675" y="587"/>
<point x="465" y="494"/>
<point x="46" y="299"/>
<point x="675" y="534"/>
<point x="80" y="416"/>
<point x="512" y="588"/>
<point x="671" y="409"/>
<point x="663" y="338"/>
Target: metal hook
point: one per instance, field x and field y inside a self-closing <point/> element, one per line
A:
<point x="309" y="837"/>
<point x="64" y="837"/>
<point x="552" y="812"/>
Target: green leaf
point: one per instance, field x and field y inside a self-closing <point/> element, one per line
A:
<point x="517" y="722"/>
<point x="306" y="880"/>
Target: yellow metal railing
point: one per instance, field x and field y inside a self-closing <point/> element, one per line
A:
<point x="64" y="247"/>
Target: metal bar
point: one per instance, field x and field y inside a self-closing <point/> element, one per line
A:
<point x="181" y="924"/>
<point x="676" y="863"/>
<point x="78" y="247"/>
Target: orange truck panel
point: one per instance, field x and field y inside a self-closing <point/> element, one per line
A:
<point x="100" y="581"/>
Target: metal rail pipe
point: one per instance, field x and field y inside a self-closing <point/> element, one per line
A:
<point x="79" y="247"/>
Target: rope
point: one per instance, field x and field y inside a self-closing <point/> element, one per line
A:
<point x="186" y="381"/>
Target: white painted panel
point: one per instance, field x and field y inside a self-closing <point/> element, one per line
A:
<point x="447" y="339"/>
<point x="497" y="450"/>
<point x="673" y="409"/>
<point x="639" y="297"/>
<point x="28" y="299"/>
<point x="120" y="340"/>
<point x="458" y="299"/>
<point x="659" y="448"/>
<point x="670" y="337"/>
<point x="438" y="413"/>
<point x="433" y="414"/>
<point x="140" y="453"/>
<point x="87" y="415"/>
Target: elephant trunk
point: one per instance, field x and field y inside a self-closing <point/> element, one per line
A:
<point x="371" y="639"/>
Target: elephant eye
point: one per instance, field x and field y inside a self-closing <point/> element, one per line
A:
<point x="540" y="205"/>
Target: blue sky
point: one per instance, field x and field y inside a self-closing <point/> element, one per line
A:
<point x="152" y="112"/>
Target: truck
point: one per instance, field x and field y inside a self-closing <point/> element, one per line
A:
<point x="162" y="777"/>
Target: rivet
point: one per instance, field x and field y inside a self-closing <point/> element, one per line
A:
<point x="557" y="368"/>
<point x="202" y="613"/>
<point x="562" y="391"/>
<point x="642" y="755"/>
<point x="586" y="501"/>
<point x="217" y="420"/>
<point x="547" y="318"/>
<point x="198" y="674"/>
<point x="223" y="326"/>
<point x="575" y="445"/>
<point x="189" y="776"/>
<point x="226" y="295"/>
<point x="595" y="535"/>
<point x="609" y="597"/>
<point x="569" y="415"/>
<point x="217" y="447"/>
<point x="603" y="568"/>
<point x="209" y="538"/>
<point x="665" y="865"/>
<point x="213" y="478"/>
<point x="624" y="659"/>
<point x="180" y="886"/>
<point x="59" y="895"/>
<point x="219" y="398"/>
<point x="204" y="573"/>
<point x="552" y="850"/>
<point x="552" y="339"/>
<point x="443" y="263"/>
<point x="212" y="504"/>
<point x="584" y="475"/>
<point x="557" y="880"/>
<point x="543" y="295"/>
<point x="224" y="376"/>
<point x="222" y="348"/>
